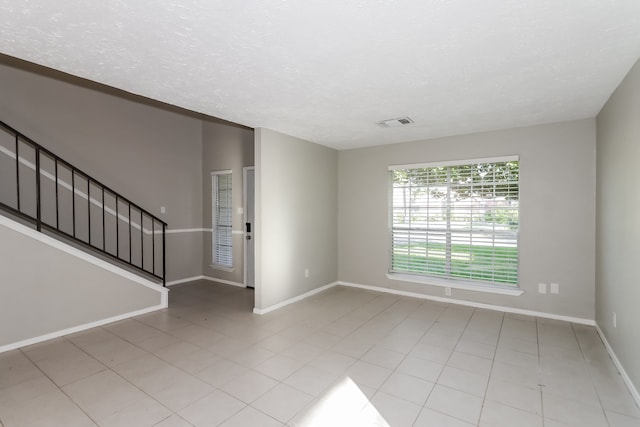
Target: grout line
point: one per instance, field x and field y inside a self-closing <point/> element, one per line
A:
<point x="149" y="354"/>
<point x="540" y="385"/>
<point x="584" y="358"/>
<point x="300" y="314"/>
<point x="60" y="387"/>
<point x="493" y="361"/>
<point x="435" y="383"/>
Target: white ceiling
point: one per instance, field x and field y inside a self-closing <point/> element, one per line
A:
<point x="327" y="70"/>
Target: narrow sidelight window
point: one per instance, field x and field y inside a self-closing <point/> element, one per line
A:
<point x="222" y="219"/>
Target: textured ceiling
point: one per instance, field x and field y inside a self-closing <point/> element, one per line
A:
<point x="328" y="70"/>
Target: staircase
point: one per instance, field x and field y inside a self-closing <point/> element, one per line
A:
<point x="42" y="190"/>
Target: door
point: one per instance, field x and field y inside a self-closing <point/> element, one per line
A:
<point x="249" y="243"/>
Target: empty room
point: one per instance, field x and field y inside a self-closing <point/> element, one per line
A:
<point x="338" y="213"/>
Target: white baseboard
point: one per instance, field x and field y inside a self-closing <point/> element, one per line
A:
<point x="294" y="299"/>
<point x="632" y="388"/>
<point x="588" y="322"/>
<point x="185" y="280"/>
<point x="211" y="279"/>
<point x="504" y="309"/>
<point x="226" y="282"/>
<point x="80" y="328"/>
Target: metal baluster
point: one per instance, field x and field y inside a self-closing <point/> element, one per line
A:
<point x="153" y="246"/>
<point x="164" y="256"/>
<point x="117" y="229"/>
<point x="103" y="231"/>
<point x="89" y="208"/>
<point x="21" y="139"/>
<point x="73" y="199"/>
<point x="57" y="209"/>
<point x="38" y="212"/>
<point x="18" y="170"/>
<point x="141" y="241"/>
<point x="130" y="233"/>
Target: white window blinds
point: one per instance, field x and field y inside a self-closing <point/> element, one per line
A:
<point x="456" y="221"/>
<point x="222" y="219"/>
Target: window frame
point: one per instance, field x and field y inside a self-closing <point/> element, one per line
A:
<point x="450" y="281"/>
<point x="215" y="226"/>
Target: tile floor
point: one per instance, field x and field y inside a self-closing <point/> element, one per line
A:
<point x="345" y="357"/>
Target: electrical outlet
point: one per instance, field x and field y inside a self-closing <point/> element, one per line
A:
<point x="615" y="320"/>
<point x="306" y="272"/>
<point x="447" y="292"/>
<point x="554" y="288"/>
<point x="542" y="288"/>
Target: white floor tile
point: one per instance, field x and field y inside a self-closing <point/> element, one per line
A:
<point x="282" y="402"/>
<point x="455" y="403"/>
<point x="311" y="380"/>
<point x="408" y="387"/>
<point x="430" y="418"/>
<point x="421" y="368"/>
<point x="514" y="395"/>
<point x="464" y="381"/>
<point x="249" y="386"/>
<point x="572" y="413"/>
<point x="397" y="412"/>
<point x="103" y="394"/>
<point x="368" y="374"/>
<point x="498" y="415"/>
<point x="251" y="417"/>
<point x="212" y="409"/>
<point x="347" y="357"/>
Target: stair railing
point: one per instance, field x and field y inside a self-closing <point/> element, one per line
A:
<point x="56" y="197"/>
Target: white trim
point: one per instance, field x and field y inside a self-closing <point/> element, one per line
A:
<point x="195" y="230"/>
<point x="632" y="388"/>
<point x="478" y="287"/>
<point x="186" y="230"/>
<point x="225" y="282"/>
<point x="54" y="243"/>
<point x="504" y="309"/>
<point x="257" y="310"/>
<point x="164" y="298"/>
<point x="455" y="162"/>
<point x="68" y="331"/>
<point x="588" y="322"/>
<point x="185" y="280"/>
<point x="202" y="277"/>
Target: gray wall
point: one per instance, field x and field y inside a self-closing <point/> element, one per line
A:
<point x="557" y="216"/>
<point x="225" y="147"/>
<point x="618" y="232"/>
<point x="296" y="217"/>
<point x="149" y="154"/>
<point x="51" y="290"/>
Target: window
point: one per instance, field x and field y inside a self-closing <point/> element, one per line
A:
<point x="222" y="218"/>
<point x="457" y="222"/>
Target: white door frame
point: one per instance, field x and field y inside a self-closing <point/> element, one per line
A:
<point x="244" y="220"/>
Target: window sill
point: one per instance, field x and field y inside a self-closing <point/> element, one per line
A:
<point x="467" y="286"/>
<point x="222" y="267"/>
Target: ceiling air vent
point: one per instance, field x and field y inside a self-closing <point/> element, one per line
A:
<point x="392" y="123"/>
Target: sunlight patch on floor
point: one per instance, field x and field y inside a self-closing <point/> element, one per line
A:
<point x="344" y="404"/>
